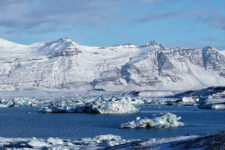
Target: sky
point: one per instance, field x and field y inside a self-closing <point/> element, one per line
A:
<point x="173" y="23"/>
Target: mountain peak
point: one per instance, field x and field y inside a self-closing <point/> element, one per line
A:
<point x="60" y="46"/>
<point x="154" y="44"/>
<point x="64" y="40"/>
<point x="209" y="48"/>
<point x="63" y="64"/>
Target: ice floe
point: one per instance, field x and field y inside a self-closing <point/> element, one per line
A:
<point x="104" y="140"/>
<point x="168" y="120"/>
<point x="57" y="143"/>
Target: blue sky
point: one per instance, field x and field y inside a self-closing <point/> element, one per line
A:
<point x="186" y="23"/>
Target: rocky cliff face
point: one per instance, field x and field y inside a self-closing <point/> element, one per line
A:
<point x="64" y="64"/>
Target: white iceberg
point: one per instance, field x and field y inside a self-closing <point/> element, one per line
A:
<point x="215" y="101"/>
<point x="218" y="106"/>
<point x="55" y="141"/>
<point x="114" y="105"/>
<point x="168" y="120"/>
<point x="189" y="100"/>
<point x="18" y="102"/>
<point x="135" y="101"/>
<point x="37" y="143"/>
<point x="212" y="106"/>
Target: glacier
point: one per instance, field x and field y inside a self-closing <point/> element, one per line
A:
<point x="65" y="64"/>
<point x="168" y="120"/>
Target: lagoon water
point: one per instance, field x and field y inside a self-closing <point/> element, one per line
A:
<point x="27" y="122"/>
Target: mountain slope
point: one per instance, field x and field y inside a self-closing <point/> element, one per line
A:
<point x="64" y="64"/>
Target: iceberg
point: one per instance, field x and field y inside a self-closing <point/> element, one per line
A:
<point x="114" y="105"/>
<point x="18" y="102"/>
<point x="215" y="101"/>
<point x="37" y="143"/>
<point x="189" y="100"/>
<point x="160" y="101"/>
<point x="168" y="120"/>
<point x="212" y="106"/>
<point x="63" y="106"/>
<point x="218" y="106"/>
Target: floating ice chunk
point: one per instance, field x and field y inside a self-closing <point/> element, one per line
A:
<point x="55" y="141"/>
<point x="105" y="140"/>
<point x="187" y="101"/>
<point x="190" y="100"/>
<point x="18" y="102"/>
<point x="215" y="101"/>
<point x="218" y="106"/>
<point x="212" y="106"/>
<point x="135" y="101"/>
<point x="60" y="109"/>
<point x="63" y="106"/>
<point x="168" y="120"/>
<point x="101" y="105"/>
<point x="112" y="106"/>
<point x="3" y="105"/>
<point x="37" y="143"/>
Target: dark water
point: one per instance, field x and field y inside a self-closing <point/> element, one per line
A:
<point x="27" y="122"/>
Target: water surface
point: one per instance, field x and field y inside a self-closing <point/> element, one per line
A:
<point x="27" y="122"/>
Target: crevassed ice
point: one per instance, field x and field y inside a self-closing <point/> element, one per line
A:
<point x="168" y="120"/>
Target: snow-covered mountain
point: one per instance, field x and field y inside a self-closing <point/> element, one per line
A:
<point x="64" y="64"/>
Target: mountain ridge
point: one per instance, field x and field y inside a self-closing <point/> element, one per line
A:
<point x="65" y="64"/>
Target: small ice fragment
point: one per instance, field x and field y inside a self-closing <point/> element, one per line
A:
<point x="37" y="143"/>
<point x="55" y="141"/>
